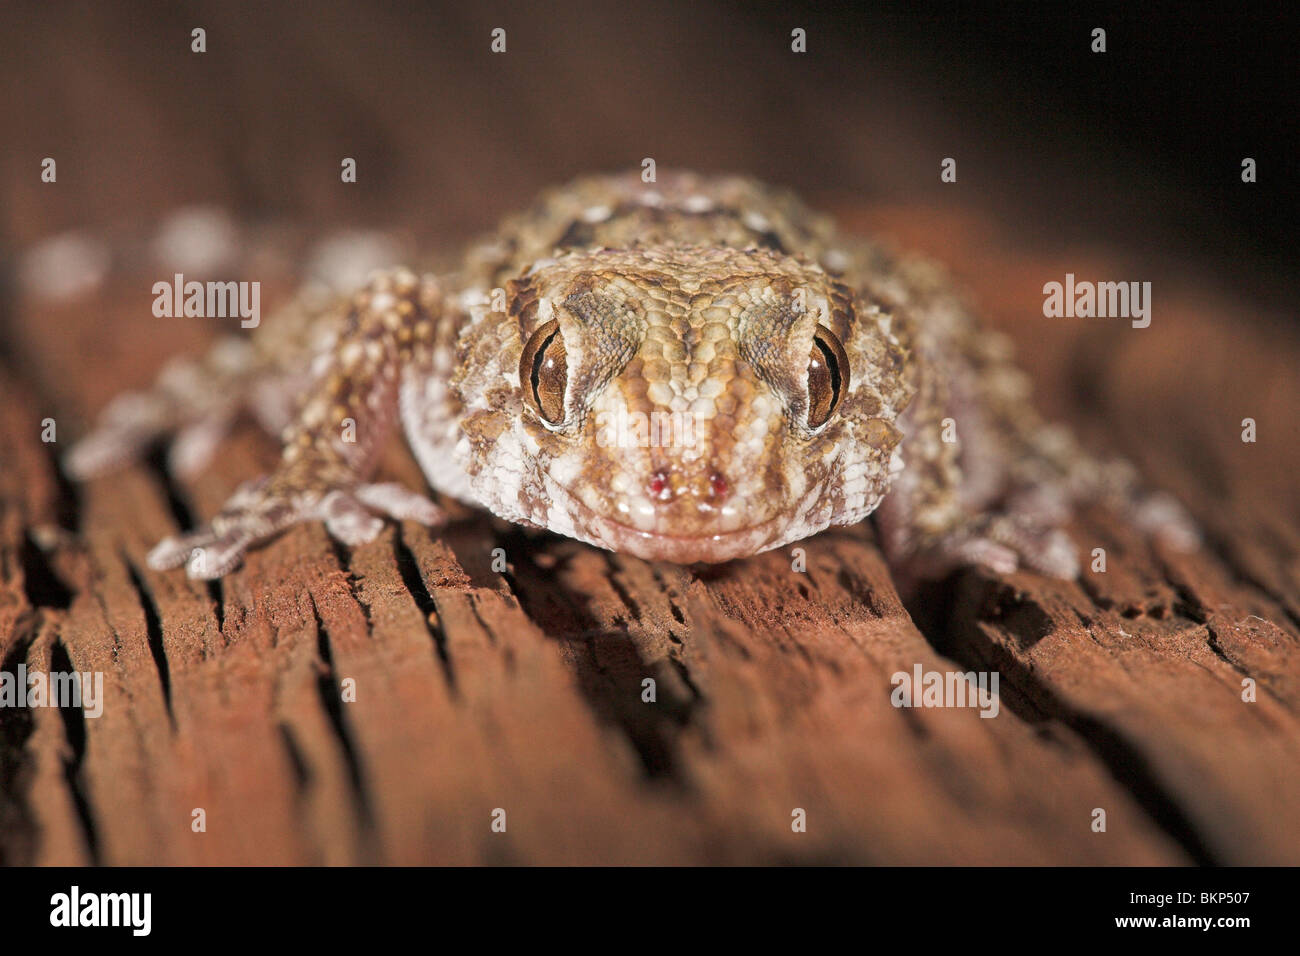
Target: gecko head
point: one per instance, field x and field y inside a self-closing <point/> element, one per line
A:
<point x="683" y="403"/>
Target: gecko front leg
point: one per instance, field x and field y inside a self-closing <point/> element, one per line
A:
<point x="987" y="480"/>
<point x="331" y="448"/>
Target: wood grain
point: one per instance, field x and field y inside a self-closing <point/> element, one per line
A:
<point x="522" y="690"/>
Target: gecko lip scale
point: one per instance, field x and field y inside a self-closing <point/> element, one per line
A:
<point x="655" y="546"/>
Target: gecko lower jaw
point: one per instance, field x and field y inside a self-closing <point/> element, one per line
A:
<point x="683" y="549"/>
<point x="594" y="528"/>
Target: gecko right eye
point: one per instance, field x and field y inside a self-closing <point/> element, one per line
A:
<point x="544" y="373"/>
<point x="828" y="377"/>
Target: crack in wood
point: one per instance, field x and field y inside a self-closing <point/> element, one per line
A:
<point x="74" y="730"/>
<point x="962" y="638"/>
<point x="331" y="702"/>
<point x="409" y="568"/>
<point x="154" y="633"/>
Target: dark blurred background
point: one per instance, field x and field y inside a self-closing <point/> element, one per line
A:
<point x="1138" y="149"/>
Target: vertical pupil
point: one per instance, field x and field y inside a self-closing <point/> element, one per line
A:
<point x="828" y="359"/>
<point x="538" y="359"/>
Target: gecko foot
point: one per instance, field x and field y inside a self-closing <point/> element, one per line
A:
<point x="255" y="512"/>
<point x="1000" y="543"/>
<point x="190" y="409"/>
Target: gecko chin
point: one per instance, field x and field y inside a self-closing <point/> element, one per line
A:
<point x="704" y="543"/>
<point x="681" y="549"/>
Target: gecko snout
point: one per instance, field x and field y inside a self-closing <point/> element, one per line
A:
<point x="665" y="485"/>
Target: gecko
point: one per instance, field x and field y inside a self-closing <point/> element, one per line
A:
<point x="691" y="370"/>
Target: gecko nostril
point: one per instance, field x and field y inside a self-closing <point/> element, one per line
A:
<point x="664" y="486"/>
<point x="658" y="487"/>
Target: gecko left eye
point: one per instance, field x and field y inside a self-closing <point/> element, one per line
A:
<point x="544" y="373"/>
<point x="828" y="377"/>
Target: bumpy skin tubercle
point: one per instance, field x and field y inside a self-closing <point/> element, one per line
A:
<point x="696" y="369"/>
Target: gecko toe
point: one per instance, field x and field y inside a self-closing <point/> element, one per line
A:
<point x="218" y="557"/>
<point x="401" y="503"/>
<point x="348" y="521"/>
<point x="196" y="444"/>
<point x="1162" y="517"/>
<point x="174" y="551"/>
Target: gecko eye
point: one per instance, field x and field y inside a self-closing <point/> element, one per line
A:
<point x="544" y="373"/>
<point x="828" y="377"/>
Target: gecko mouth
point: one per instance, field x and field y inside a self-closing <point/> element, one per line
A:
<point x="595" y="528"/>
